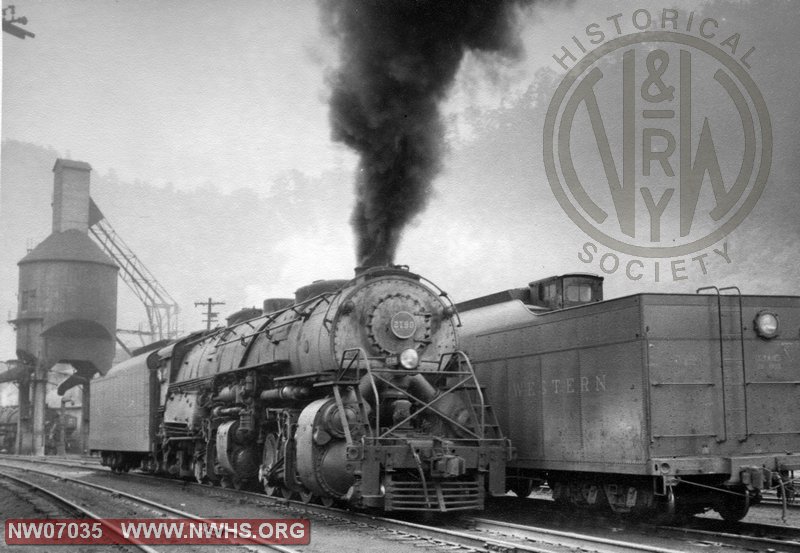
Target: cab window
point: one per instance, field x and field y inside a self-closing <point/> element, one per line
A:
<point x="579" y="293"/>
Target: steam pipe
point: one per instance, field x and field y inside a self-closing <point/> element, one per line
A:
<point x="287" y="393"/>
<point x="421" y="388"/>
<point x="226" y="411"/>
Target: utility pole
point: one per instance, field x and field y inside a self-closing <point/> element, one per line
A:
<point x="211" y="316"/>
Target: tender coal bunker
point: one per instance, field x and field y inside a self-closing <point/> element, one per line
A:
<point x="398" y="60"/>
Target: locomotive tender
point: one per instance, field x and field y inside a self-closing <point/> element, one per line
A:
<point x="355" y="391"/>
<point x="672" y="402"/>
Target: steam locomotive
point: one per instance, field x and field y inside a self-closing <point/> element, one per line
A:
<point x="670" y="403"/>
<point x="355" y="391"/>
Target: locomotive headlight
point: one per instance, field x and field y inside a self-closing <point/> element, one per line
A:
<point x="409" y="358"/>
<point x="767" y="325"/>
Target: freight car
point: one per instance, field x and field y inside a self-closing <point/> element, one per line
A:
<point x="672" y="402"/>
<point x="355" y="392"/>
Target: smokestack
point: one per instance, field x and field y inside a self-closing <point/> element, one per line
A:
<point x="71" y="195"/>
<point x="398" y="60"/>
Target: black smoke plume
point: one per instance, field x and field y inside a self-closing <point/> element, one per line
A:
<point x="398" y="60"/>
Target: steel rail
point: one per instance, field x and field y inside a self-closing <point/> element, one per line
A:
<point x="776" y="502"/>
<point x="572" y="539"/>
<point x="152" y="504"/>
<point x="739" y="540"/>
<point x="465" y="539"/>
<point x="77" y="508"/>
<point x="405" y="529"/>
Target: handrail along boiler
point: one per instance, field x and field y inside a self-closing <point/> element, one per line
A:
<point x="356" y="391"/>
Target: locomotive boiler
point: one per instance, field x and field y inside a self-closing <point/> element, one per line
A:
<point x="677" y="403"/>
<point x="356" y="391"/>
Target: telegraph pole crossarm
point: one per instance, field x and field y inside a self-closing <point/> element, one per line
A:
<point x="211" y="316"/>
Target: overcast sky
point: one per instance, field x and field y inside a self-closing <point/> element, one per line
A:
<point x="231" y="92"/>
<point x="181" y="92"/>
<point x="234" y="92"/>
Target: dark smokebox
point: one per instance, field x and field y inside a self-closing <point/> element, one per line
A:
<point x="398" y="61"/>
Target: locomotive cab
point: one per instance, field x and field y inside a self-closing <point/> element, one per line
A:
<point x="568" y="290"/>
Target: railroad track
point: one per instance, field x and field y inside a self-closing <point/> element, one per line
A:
<point x="752" y="536"/>
<point x="571" y="540"/>
<point x="484" y="534"/>
<point x="747" y="541"/>
<point x="414" y="534"/>
<point x="148" y="505"/>
<point x="71" y="508"/>
<point x="449" y="537"/>
<point x="399" y="531"/>
<point x="749" y="537"/>
<point x="772" y="500"/>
